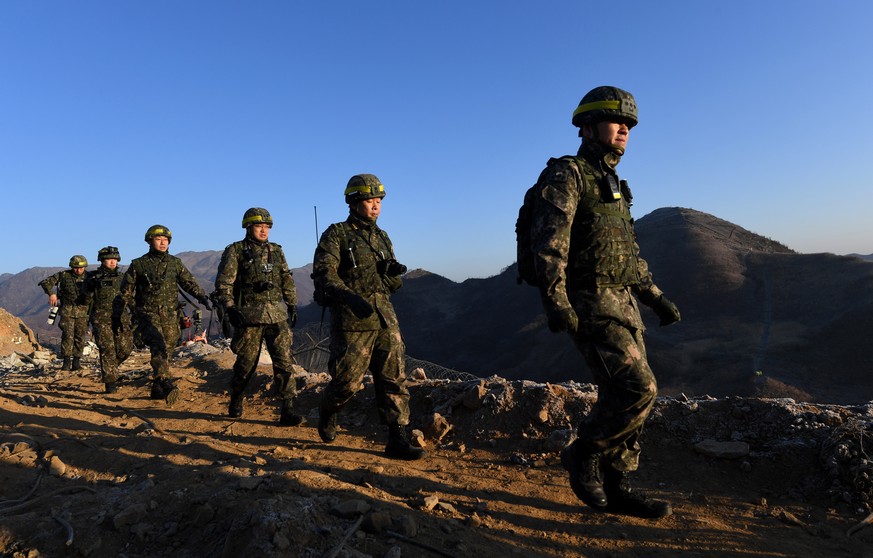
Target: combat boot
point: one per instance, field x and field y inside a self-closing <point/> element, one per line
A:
<point x="77" y="364"/>
<point x="287" y="416"/>
<point x="327" y="425"/>
<point x="585" y="478"/>
<point x="398" y="446"/>
<point x="111" y="387"/>
<point x="235" y="409"/>
<point x="624" y="500"/>
<point x="163" y="388"/>
<point x="157" y="390"/>
<point x="68" y="364"/>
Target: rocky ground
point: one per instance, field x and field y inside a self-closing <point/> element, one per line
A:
<point x="83" y="473"/>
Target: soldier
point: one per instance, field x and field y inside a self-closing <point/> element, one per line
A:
<point x="588" y="270"/>
<point x="74" y="302"/>
<point x="150" y="288"/>
<point x="256" y="290"/>
<point x="103" y="284"/>
<point x="355" y="272"/>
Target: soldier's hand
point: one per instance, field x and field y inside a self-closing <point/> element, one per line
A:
<point x="116" y="324"/>
<point x="235" y="317"/>
<point x="292" y="316"/>
<point x="358" y="305"/>
<point x="666" y="310"/>
<point x="204" y="302"/>
<point x="563" y="319"/>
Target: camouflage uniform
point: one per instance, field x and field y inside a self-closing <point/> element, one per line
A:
<point x="587" y="260"/>
<point x="346" y="260"/>
<point x="104" y="284"/>
<point x="149" y="287"/>
<point x="254" y="278"/>
<point x="75" y="302"/>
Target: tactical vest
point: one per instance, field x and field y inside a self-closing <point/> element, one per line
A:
<point x="259" y="274"/>
<point x="360" y="250"/>
<point x="104" y="284"/>
<point x="603" y="248"/>
<point x="156" y="282"/>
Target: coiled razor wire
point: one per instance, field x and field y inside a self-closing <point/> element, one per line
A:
<point x="312" y="352"/>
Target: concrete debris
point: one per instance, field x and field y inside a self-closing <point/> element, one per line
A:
<point x="437" y="428"/>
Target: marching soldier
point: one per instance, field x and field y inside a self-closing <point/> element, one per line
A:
<point x="256" y="289"/>
<point x="150" y="288"/>
<point x="74" y="302"/>
<point x="355" y="273"/>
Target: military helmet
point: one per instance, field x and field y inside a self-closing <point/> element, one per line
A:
<point x="606" y="103"/>
<point x="256" y="216"/>
<point x="78" y="261"/>
<point x="158" y="230"/>
<point x="108" y="253"/>
<point x="363" y="187"/>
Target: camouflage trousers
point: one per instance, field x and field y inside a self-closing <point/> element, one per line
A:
<point x="246" y="344"/>
<point x="114" y="349"/>
<point x="616" y="355"/>
<point x="160" y="332"/>
<point x="381" y="352"/>
<point x="73" y="335"/>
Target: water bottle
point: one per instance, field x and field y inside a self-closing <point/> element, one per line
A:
<point x="53" y="313"/>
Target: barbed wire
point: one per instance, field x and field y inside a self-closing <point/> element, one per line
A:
<point x="312" y="352"/>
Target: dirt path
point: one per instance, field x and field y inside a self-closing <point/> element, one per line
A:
<point x="123" y="475"/>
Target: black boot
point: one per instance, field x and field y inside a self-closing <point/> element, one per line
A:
<point x="327" y="425"/>
<point x="68" y="363"/>
<point x="398" y="445"/>
<point x="585" y="478"/>
<point x="157" y="390"/>
<point x="624" y="500"/>
<point x="288" y="417"/>
<point x="163" y="388"/>
<point x="235" y="409"/>
<point x="111" y="387"/>
<point x="77" y="364"/>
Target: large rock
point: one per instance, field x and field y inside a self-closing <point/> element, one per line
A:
<point x="15" y="337"/>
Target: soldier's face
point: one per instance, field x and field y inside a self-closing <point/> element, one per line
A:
<point x="110" y="263"/>
<point x="261" y="231"/>
<point x="160" y="243"/>
<point x="613" y="133"/>
<point x="78" y="270"/>
<point x="369" y="209"/>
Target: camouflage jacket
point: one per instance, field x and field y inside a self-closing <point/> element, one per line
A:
<point x="346" y="260"/>
<point x="75" y="300"/>
<point x="254" y="277"/>
<point x="103" y="284"/>
<point x="150" y="285"/>
<point x="584" y="243"/>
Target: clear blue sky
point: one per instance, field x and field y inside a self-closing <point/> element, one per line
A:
<point x="117" y="115"/>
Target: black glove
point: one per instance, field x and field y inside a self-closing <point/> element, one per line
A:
<point x="235" y="317"/>
<point x="563" y="319"/>
<point x="358" y="304"/>
<point x="292" y="316"/>
<point x="116" y="324"/>
<point x="204" y="302"/>
<point x="666" y="310"/>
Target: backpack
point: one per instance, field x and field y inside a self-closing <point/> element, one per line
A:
<point x="318" y="294"/>
<point x="527" y="272"/>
